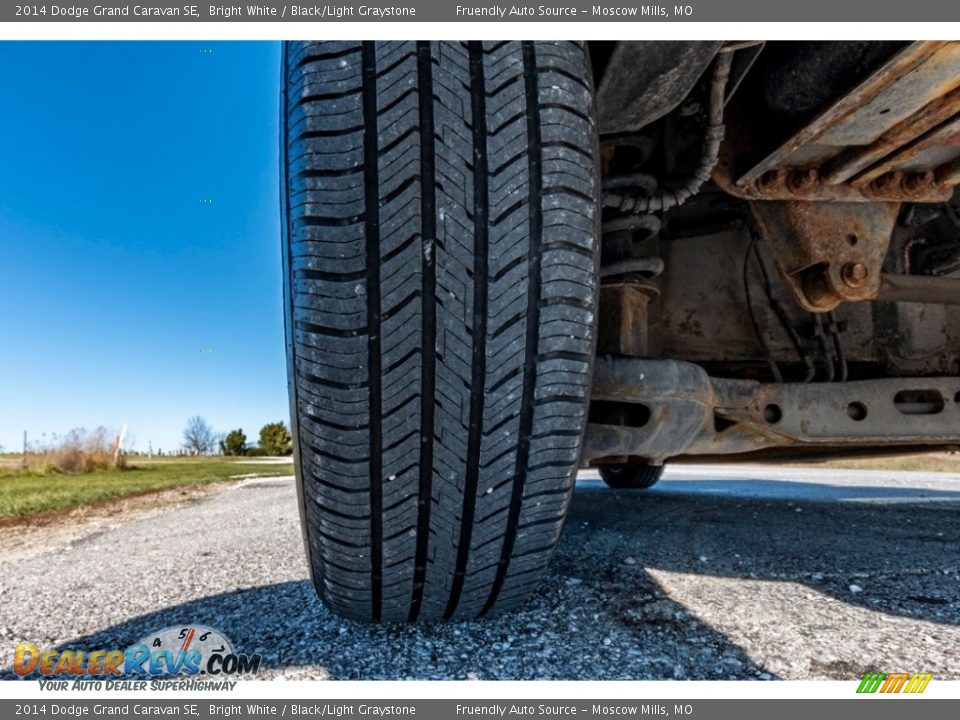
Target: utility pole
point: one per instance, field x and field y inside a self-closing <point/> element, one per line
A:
<point x="24" y="449"/>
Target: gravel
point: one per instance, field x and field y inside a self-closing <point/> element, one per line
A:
<point x="712" y="575"/>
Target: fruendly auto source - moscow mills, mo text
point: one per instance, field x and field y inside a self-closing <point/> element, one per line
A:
<point x="582" y="11"/>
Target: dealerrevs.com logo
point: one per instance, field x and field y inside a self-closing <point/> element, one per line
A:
<point x="174" y="652"/>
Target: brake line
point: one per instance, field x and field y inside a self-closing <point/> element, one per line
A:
<point x="664" y="198"/>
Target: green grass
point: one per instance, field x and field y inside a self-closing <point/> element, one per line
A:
<point x="31" y="493"/>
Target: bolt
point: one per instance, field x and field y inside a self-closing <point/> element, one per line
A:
<point x="916" y="184"/>
<point x="803" y="182"/>
<point x="771" y="181"/>
<point x="854" y="274"/>
<point x="886" y="185"/>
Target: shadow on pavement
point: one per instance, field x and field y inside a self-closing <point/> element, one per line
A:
<point x="900" y="546"/>
<point x="563" y="633"/>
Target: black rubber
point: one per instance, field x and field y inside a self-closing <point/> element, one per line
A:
<point x="441" y="249"/>
<point x="635" y="476"/>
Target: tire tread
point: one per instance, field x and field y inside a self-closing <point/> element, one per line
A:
<point x="441" y="246"/>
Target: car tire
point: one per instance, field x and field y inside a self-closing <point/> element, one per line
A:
<point x="441" y="233"/>
<point x="632" y="476"/>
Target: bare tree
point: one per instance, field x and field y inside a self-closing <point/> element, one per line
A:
<point x="198" y="437"/>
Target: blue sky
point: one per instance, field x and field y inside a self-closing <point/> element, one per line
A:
<point x="124" y="296"/>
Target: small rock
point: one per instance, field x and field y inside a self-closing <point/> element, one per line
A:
<point x="856" y="589"/>
<point x="607" y="642"/>
<point x="629" y="561"/>
<point x="703" y="558"/>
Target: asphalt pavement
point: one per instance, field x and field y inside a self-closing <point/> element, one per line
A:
<point x="746" y="572"/>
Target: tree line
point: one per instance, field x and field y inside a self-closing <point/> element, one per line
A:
<point x="200" y="439"/>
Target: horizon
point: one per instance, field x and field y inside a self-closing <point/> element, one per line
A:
<point x="140" y="272"/>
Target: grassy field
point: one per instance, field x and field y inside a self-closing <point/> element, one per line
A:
<point x="26" y="494"/>
<point x="23" y="494"/>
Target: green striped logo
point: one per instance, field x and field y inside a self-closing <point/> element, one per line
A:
<point x="894" y="682"/>
<point x="871" y="682"/>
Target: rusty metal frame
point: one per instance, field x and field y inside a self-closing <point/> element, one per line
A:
<point x="624" y="317"/>
<point x="828" y="253"/>
<point x="692" y="414"/>
<point x="894" y="137"/>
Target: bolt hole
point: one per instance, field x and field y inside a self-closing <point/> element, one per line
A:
<point x="605" y="412"/>
<point x="772" y="413"/>
<point x="919" y="402"/>
<point x="852" y="239"/>
<point x="956" y="398"/>
<point x="885" y="111"/>
<point x="857" y="411"/>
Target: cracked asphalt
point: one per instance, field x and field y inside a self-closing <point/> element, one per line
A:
<point x="722" y="572"/>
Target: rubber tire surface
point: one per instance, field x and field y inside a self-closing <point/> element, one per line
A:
<point x="441" y="234"/>
<point x="631" y="477"/>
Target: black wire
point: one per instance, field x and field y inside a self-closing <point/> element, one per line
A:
<point x="838" y="345"/>
<point x="824" y="345"/>
<point x="781" y="313"/>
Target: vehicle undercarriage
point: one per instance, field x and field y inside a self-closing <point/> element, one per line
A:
<point x="780" y="269"/>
